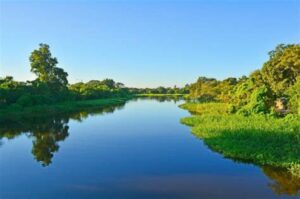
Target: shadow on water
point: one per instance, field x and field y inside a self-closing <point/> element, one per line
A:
<point x="48" y="130"/>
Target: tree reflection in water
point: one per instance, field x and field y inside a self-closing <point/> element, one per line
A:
<point x="166" y="98"/>
<point x="282" y="182"/>
<point x="46" y="138"/>
<point x="46" y="131"/>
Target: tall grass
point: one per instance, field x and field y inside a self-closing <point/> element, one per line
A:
<point x="261" y="139"/>
<point x="209" y="108"/>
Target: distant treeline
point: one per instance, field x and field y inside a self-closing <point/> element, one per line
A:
<point x="51" y="85"/>
<point x="277" y="80"/>
<point x="160" y="90"/>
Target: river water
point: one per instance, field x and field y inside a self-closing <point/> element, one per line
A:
<point x="135" y="150"/>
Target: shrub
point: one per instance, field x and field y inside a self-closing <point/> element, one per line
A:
<point x="25" y="100"/>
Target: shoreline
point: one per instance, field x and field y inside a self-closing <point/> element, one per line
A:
<point x="259" y="139"/>
<point x="13" y="112"/>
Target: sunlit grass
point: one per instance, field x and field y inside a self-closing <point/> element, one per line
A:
<point x="210" y="108"/>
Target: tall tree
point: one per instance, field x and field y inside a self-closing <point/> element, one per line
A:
<point x="283" y="68"/>
<point x="110" y="83"/>
<point x="44" y="66"/>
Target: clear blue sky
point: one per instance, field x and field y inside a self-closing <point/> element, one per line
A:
<point x="146" y="43"/>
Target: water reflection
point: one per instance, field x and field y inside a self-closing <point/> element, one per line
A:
<point x="46" y="131"/>
<point x="170" y="98"/>
<point x="282" y="182"/>
<point x="46" y="136"/>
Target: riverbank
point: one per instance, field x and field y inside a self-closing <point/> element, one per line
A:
<point x="259" y="139"/>
<point x="14" y="111"/>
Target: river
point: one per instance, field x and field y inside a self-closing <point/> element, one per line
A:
<point x="136" y="150"/>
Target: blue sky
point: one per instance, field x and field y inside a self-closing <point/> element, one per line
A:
<point x="146" y="43"/>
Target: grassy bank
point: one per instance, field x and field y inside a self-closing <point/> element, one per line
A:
<point x="261" y="139"/>
<point x="15" y="111"/>
<point x="211" y="108"/>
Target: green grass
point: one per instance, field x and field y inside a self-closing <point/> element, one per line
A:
<point x="69" y="106"/>
<point x="260" y="139"/>
<point x="211" y="108"/>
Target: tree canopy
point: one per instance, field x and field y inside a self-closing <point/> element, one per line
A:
<point x="44" y="66"/>
<point x="282" y="68"/>
<point x="279" y="77"/>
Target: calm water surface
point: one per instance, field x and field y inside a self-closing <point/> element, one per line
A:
<point x="136" y="150"/>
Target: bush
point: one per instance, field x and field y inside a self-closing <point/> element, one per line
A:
<point x="232" y="109"/>
<point x="42" y="99"/>
<point x="25" y="100"/>
<point x="260" y="102"/>
<point x="293" y="94"/>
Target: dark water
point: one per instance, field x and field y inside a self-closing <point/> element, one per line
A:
<point x="137" y="150"/>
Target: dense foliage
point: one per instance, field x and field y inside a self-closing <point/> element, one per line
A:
<point x="96" y="89"/>
<point x="279" y="78"/>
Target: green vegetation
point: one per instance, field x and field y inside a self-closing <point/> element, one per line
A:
<point x="279" y="78"/>
<point x="209" y="108"/>
<point x="159" y="95"/>
<point x="160" y="91"/>
<point x="262" y="139"/>
<point x="51" y="87"/>
<point x="255" y="118"/>
<point x="51" y="91"/>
